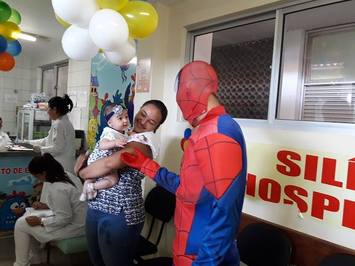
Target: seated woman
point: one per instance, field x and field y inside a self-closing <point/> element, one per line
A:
<point x="118" y="212"/>
<point x="65" y="215"/>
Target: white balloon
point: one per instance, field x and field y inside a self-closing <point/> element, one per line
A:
<point x="77" y="12"/>
<point x="77" y="44"/>
<point x="108" y="29"/>
<point x="123" y="55"/>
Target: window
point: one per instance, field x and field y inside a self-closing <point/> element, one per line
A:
<point x="55" y="79"/>
<point x="242" y="57"/>
<point x="318" y="64"/>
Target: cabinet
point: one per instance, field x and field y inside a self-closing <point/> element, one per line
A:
<point x="32" y="124"/>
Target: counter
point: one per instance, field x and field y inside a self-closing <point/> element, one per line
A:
<point x="16" y="186"/>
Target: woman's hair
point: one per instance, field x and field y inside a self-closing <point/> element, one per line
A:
<point x="63" y="105"/>
<point x="53" y="169"/>
<point x="162" y="108"/>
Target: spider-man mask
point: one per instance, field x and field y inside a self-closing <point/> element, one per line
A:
<point x="195" y="82"/>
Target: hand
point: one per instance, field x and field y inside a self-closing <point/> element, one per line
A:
<point x="81" y="162"/>
<point x="33" y="220"/>
<point x="39" y="205"/>
<point x="135" y="160"/>
<point x="36" y="149"/>
<point x="120" y="143"/>
<point x="140" y="162"/>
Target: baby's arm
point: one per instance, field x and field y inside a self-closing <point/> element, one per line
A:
<point x="106" y="144"/>
<point x="107" y="181"/>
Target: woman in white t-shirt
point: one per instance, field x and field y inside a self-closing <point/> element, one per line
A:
<point x="58" y="215"/>
<point x="4" y="138"/>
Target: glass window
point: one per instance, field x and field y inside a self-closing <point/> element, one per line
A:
<point x="242" y="57"/>
<point x="55" y="79"/>
<point x="318" y="65"/>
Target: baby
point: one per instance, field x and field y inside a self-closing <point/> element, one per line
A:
<point x="113" y="137"/>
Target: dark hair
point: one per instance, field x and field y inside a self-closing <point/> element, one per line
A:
<point x="162" y="108"/>
<point x="63" y="104"/>
<point x="53" y="169"/>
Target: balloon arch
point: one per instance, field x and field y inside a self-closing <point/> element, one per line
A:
<point x="110" y="26"/>
<point x="10" y="18"/>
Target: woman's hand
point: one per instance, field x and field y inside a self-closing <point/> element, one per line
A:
<point x="33" y="220"/>
<point x="36" y="148"/>
<point x="39" y="206"/>
<point x="81" y="162"/>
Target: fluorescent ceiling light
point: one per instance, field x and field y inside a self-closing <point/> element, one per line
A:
<point x="25" y="36"/>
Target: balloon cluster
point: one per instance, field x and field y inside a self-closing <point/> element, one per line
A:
<point x="107" y="25"/>
<point x="9" y="32"/>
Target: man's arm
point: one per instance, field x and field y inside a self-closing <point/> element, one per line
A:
<point x="104" y="166"/>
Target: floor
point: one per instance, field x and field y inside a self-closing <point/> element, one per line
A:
<point x="7" y="255"/>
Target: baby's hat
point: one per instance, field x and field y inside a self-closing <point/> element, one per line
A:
<point x="116" y="110"/>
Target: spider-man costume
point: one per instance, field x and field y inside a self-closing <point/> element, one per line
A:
<point x="210" y="188"/>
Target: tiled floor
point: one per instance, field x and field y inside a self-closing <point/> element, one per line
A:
<point x="7" y="255"/>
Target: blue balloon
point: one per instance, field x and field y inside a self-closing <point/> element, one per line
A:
<point x="14" y="48"/>
<point x="3" y="44"/>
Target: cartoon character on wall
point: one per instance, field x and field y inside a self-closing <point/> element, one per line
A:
<point x="24" y="184"/>
<point x="11" y="208"/>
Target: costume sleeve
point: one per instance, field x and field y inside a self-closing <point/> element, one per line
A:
<point x="59" y="203"/>
<point x="168" y="180"/>
<point x="220" y="159"/>
<point x="59" y="143"/>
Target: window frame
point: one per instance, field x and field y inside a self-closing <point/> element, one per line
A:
<point x="55" y="66"/>
<point x="277" y="12"/>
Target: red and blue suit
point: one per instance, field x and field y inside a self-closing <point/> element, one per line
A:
<point x="209" y="190"/>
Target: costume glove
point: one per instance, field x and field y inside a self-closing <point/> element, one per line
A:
<point x="140" y="162"/>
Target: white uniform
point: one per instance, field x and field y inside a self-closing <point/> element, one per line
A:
<point x="4" y="139"/>
<point x="60" y="143"/>
<point x="68" y="221"/>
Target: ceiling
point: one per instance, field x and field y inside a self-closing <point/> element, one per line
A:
<point x="38" y="18"/>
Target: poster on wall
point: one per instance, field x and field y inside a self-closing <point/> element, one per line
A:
<point x="16" y="190"/>
<point x="306" y="190"/>
<point x="109" y="84"/>
<point x="143" y="75"/>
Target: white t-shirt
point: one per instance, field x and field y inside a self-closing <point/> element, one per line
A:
<point x="4" y="139"/>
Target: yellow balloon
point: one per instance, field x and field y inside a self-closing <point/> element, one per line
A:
<point x="112" y="4"/>
<point x="9" y="30"/>
<point x="62" y="22"/>
<point x="141" y="17"/>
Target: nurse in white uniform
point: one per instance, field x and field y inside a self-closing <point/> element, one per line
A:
<point x="4" y="138"/>
<point x="60" y="142"/>
<point x="59" y="214"/>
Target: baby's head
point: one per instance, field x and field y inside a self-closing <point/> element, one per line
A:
<point x="117" y="117"/>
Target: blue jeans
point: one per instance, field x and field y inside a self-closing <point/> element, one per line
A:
<point x="111" y="241"/>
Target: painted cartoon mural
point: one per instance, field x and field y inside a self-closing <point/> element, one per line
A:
<point x="11" y="207"/>
<point x="109" y="84"/>
<point x="16" y="190"/>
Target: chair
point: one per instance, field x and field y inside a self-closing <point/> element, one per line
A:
<point x="69" y="247"/>
<point x="338" y="260"/>
<point x="262" y="244"/>
<point x="160" y="204"/>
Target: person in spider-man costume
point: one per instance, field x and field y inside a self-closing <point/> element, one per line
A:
<point x="210" y="188"/>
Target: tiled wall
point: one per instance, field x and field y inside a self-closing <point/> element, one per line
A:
<point x="78" y="91"/>
<point x="16" y="87"/>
